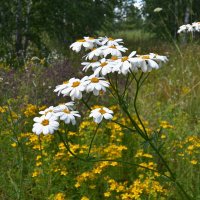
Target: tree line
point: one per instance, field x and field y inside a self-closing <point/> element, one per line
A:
<point x="35" y="24"/>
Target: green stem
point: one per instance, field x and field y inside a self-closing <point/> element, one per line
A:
<point x="173" y="178"/>
<point x="86" y="104"/>
<point x="92" y="140"/>
<point x="123" y="126"/>
<point x="143" y="132"/>
<point x="135" y="104"/>
<point x="20" y="152"/>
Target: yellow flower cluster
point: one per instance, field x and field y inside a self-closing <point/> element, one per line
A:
<point x="30" y="110"/>
<point x="139" y="188"/>
<point x="109" y="145"/>
<point x="189" y="149"/>
<point x="3" y="109"/>
<point x="58" y="196"/>
<point x="165" y="125"/>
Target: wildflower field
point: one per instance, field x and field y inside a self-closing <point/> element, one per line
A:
<point x="99" y="100"/>
<point x="144" y="144"/>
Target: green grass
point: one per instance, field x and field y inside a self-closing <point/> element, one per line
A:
<point x="169" y="94"/>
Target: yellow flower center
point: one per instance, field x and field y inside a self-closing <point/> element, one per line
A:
<point x="124" y="58"/>
<point x="110" y="39"/>
<point x="102" y="111"/>
<point x="112" y="47"/>
<point x="76" y="84"/>
<point x="66" y="111"/>
<point x="48" y="112"/>
<point x="91" y="38"/>
<point x="104" y="64"/>
<point x="114" y="58"/>
<point x="65" y="82"/>
<point x="45" y="122"/>
<point x="81" y="40"/>
<point x="145" y="57"/>
<point x="94" y="80"/>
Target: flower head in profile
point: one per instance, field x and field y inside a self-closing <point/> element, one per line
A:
<point x="196" y="26"/>
<point x="86" y="42"/>
<point x="123" y="64"/>
<point x="185" y="28"/>
<point x="45" y="124"/>
<point x="65" y="114"/>
<point x="113" y="50"/>
<point x="94" y="54"/>
<point x="110" y="41"/>
<point x="103" y="67"/>
<point x="96" y="84"/>
<point x="74" y="89"/>
<point x="68" y="105"/>
<point x="147" y="62"/>
<point x="99" y="113"/>
<point x="60" y="88"/>
<point x="158" y="58"/>
<point x="47" y="110"/>
<point x="92" y="64"/>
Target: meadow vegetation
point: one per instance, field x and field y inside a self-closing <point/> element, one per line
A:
<point x="40" y="167"/>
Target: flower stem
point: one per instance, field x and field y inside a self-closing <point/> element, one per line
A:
<point x="92" y="140"/>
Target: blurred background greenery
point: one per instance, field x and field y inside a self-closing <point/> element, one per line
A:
<point x="36" y="28"/>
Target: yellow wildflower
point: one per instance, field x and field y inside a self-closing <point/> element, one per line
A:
<point x="107" y="194"/>
<point x="59" y="196"/>
<point x="85" y="198"/>
<point x="38" y="164"/>
<point x="63" y="173"/>
<point x="14" y="144"/>
<point x="35" y="173"/>
<point x="194" y="162"/>
<point x="30" y="110"/>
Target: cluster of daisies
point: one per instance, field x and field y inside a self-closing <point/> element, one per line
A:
<point x="104" y="56"/>
<point x="195" y="26"/>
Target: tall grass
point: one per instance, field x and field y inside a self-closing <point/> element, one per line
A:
<point x="168" y="100"/>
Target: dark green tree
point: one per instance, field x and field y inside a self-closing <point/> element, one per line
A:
<point x="174" y="13"/>
<point x="31" y="23"/>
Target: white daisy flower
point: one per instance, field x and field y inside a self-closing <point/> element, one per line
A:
<point x="93" y="64"/>
<point x="99" y="113"/>
<point x="68" y="106"/>
<point x="158" y="58"/>
<point x="196" y="26"/>
<point x="110" y="41"/>
<point x="47" y="110"/>
<point x="45" y="124"/>
<point x="74" y="89"/>
<point x="103" y="67"/>
<point x="96" y="84"/>
<point x="87" y="42"/>
<point x="182" y="29"/>
<point x="123" y="65"/>
<point x="66" y="115"/>
<point x="189" y="28"/>
<point x="95" y="53"/>
<point x="114" y="50"/>
<point x="60" y="88"/>
<point x="145" y="62"/>
<point x="185" y="28"/>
